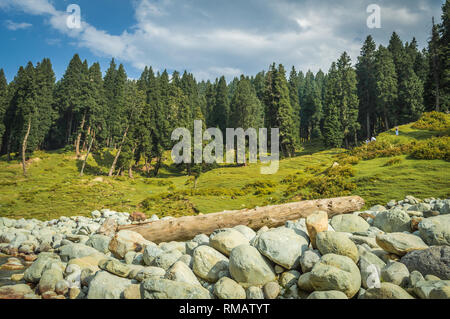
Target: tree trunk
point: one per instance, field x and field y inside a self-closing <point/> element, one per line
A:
<point x="77" y="142"/>
<point x="69" y="128"/>
<point x="87" y="155"/>
<point x="368" y="124"/>
<point x="111" y="170"/>
<point x="24" y="147"/>
<point x="185" y="228"/>
<point x="130" y="168"/>
<point x="157" y="166"/>
<point x="83" y="148"/>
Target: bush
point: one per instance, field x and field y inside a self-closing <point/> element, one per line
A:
<point x="340" y="171"/>
<point x="381" y="149"/>
<point x="433" y="121"/>
<point x="352" y="160"/>
<point x="393" y="161"/>
<point x="334" y="183"/>
<point x="433" y="148"/>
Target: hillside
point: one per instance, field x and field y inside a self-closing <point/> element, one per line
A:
<point x="54" y="188"/>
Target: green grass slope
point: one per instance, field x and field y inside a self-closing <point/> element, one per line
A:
<point x="54" y="188"/>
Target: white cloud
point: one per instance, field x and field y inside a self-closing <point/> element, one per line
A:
<point x="13" y="26"/>
<point x="233" y="37"/>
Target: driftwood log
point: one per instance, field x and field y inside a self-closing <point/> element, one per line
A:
<point x="187" y="227"/>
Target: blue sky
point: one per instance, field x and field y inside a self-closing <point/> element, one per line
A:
<point x="206" y="37"/>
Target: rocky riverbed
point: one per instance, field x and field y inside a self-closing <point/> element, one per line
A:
<point x="397" y="251"/>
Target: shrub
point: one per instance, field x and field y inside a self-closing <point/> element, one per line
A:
<point x="261" y="187"/>
<point x="381" y="149"/>
<point x="352" y="160"/>
<point x="340" y="171"/>
<point x="393" y="161"/>
<point x="312" y="169"/>
<point x="433" y="148"/>
<point x="433" y="121"/>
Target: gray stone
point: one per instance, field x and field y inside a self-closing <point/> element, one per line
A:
<point x="201" y="239"/>
<point x="249" y="268"/>
<point x="254" y="292"/>
<point x="99" y="242"/>
<point x="395" y="273"/>
<point x="209" y="264"/>
<point x="150" y="272"/>
<point x="107" y="286"/>
<point x="368" y="263"/>
<point x="73" y="251"/>
<point x="166" y="259"/>
<point x="182" y="273"/>
<point x="224" y="240"/>
<point x="336" y="243"/>
<point x="289" y="278"/>
<point x="432" y="261"/>
<point x="151" y="251"/>
<point x="336" y="272"/>
<point x="271" y="290"/>
<point x="414" y="278"/>
<point x="386" y="290"/>
<point x="49" y="279"/>
<point x="436" y="230"/>
<point x="115" y="267"/>
<point x="400" y="243"/>
<point x="308" y="259"/>
<point x="282" y="245"/>
<point x="424" y="288"/>
<point x="392" y="221"/>
<point x="168" y="289"/>
<point x="34" y="272"/>
<point x="246" y="231"/>
<point x="174" y="245"/>
<point x="226" y="288"/>
<point x="349" y="223"/>
<point x="331" y="294"/>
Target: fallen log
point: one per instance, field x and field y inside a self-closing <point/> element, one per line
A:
<point x="187" y="227"/>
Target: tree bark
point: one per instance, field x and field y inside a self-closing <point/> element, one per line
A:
<point x="77" y="142"/>
<point x="24" y="147"/>
<point x="368" y="124"/>
<point x="130" y="167"/>
<point x="187" y="227"/>
<point x="87" y="155"/>
<point x="111" y="170"/>
<point x="83" y="148"/>
<point x="157" y="166"/>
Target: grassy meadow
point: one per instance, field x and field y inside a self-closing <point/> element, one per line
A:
<point x="54" y="187"/>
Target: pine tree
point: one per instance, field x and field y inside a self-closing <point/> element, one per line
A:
<point x="3" y="104"/>
<point x="278" y="107"/>
<point x="433" y="85"/>
<point x="45" y="81"/>
<point x="247" y="109"/>
<point x="386" y="85"/>
<point x="295" y="103"/>
<point x="311" y="110"/>
<point x="69" y="99"/>
<point x="410" y="97"/>
<point x="365" y="71"/>
<point x="133" y="104"/>
<point x="348" y="98"/>
<point x="26" y="110"/>
<point x="333" y="133"/>
<point x="444" y="53"/>
<point x="221" y="108"/>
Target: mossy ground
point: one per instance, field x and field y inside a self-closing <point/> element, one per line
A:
<point x="54" y="187"/>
